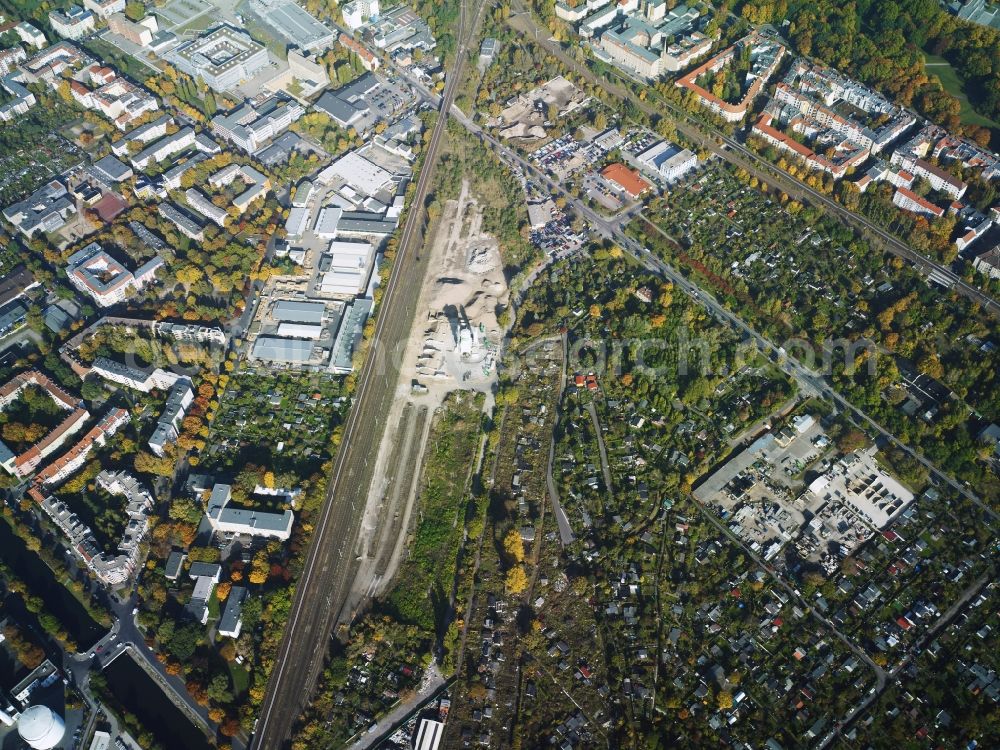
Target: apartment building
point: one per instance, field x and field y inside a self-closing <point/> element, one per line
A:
<point x="357" y="13"/>
<point x="829" y="101"/>
<point x="104" y="9"/>
<point x="55" y="63"/>
<point x="907" y="200"/>
<point x="933" y="142"/>
<point x="67" y="464"/>
<point x="164" y="148"/>
<point x="184" y="222"/>
<point x="938" y="178"/>
<point x="144" y="380"/>
<point x="844" y="155"/>
<point x="765" y="56"/>
<point x="190" y="332"/>
<point x="232" y="522"/>
<point x="252" y="126"/>
<point x="988" y="263"/>
<point x="98" y="275"/>
<point x="169" y="424"/>
<point x="29" y="34"/>
<point x="9" y="59"/>
<point x="142" y="135"/>
<point x="21" y="100"/>
<point x="24" y="463"/>
<point x="72" y="23"/>
<point x="118" y="99"/>
<point x="138" y="32"/>
<point x="199" y="202"/>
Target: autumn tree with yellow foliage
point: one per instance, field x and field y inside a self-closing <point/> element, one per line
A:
<point x="513" y="545"/>
<point x="517" y="580"/>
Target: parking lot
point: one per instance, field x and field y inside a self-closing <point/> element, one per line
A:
<point x="563" y="156"/>
<point x="638" y="141"/>
<point x="598" y="190"/>
<point x="384" y="103"/>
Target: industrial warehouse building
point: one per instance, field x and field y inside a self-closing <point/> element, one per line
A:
<point x="295" y="25"/>
<point x="275" y="349"/>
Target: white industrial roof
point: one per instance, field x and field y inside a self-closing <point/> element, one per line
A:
<point x="346" y="281"/>
<point x="429" y="735"/>
<point x="357" y="171"/>
<point x="326" y="222"/>
<point x="350" y="254"/>
<point x="300" y="330"/>
<point x="298" y="219"/>
<point x="282" y="350"/>
<point x="295" y="311"/>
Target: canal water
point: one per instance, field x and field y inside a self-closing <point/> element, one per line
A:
<point x="41" y="582"/>
<point x="142" y="696"/>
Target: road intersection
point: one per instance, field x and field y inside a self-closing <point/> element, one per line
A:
<point x="329" y="566"/>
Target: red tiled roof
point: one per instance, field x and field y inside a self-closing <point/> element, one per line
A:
<point x="35" y="452"/>
<point x="689" y="82"/>
<point x="628" y="179"/>
<point x="108" y="424"/>
<point x="109" y="206"/>
<point x="356" y="47"/>
<point x="922" y="202"/>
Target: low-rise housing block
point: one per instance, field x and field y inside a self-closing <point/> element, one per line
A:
<point x="169" y="423"/>
<point x="45" y="210"/>
<point x="67" y="464"/>
<point x="72" y="23"/>
<point x="164" y="148"/>
<point x="231" y="521"/>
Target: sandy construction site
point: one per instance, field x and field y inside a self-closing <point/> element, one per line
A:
<point x="526" y="115"/>
<point x="453" y="345"/>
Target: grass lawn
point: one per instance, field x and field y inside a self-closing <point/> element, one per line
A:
<point x="214" y="606"/>
<point x="240" y="678"/>
<point x="955" y="86"/>
<point x="430" y="567"/>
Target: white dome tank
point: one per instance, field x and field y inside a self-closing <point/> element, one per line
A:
<point x="41" y="727"/>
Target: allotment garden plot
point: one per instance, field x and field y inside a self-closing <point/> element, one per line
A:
<point x="288" y="417"/>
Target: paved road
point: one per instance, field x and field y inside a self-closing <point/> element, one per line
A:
<point x="810" y="382"/>
<point x="430" y="686"/>
<point x="707" y="136"/>
<point x="330" y="563"/>
<point x="856" y="711"/>
<point x="125" y="635"/>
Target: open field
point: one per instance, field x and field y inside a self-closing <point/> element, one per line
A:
<point x="954" y="85"/>
<point x="466" y="290"/>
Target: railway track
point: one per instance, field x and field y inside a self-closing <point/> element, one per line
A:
<point x="330" y="565"/>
